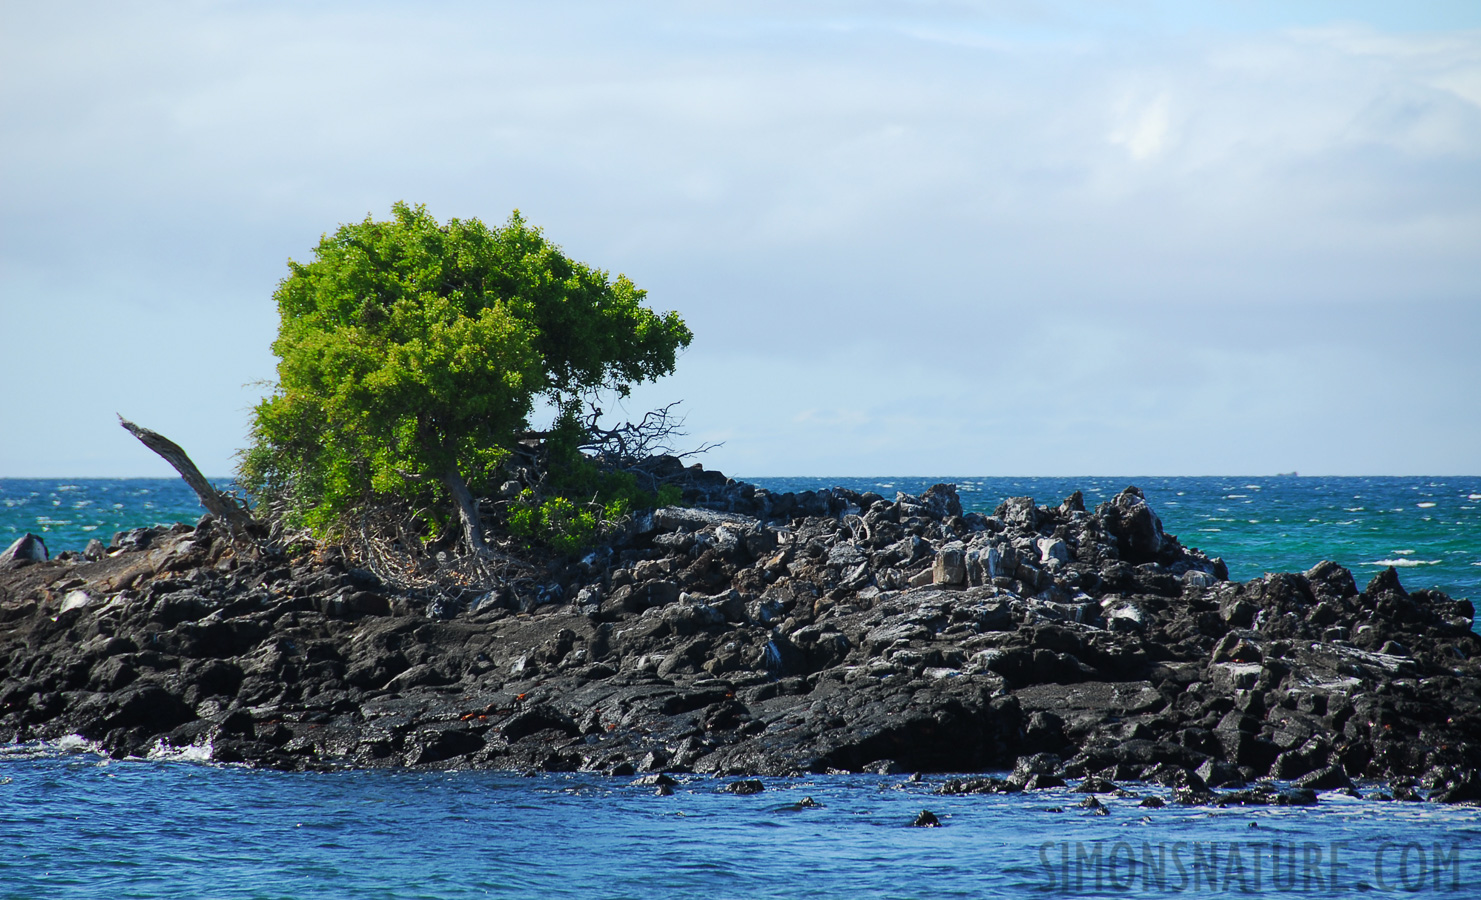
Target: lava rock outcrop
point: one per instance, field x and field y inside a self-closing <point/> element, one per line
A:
<point x="752" y="633"/>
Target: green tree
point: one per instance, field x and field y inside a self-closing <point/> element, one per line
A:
<point x="411" y="354"/>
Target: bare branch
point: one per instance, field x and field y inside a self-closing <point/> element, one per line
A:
<point x="222" y="506"/>
<point x="626" y="445"/>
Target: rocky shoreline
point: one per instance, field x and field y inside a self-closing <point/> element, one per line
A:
<point x="750" y="633"/>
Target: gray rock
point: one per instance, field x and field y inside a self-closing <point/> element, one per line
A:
<point x="672" y="518"/>
<point x="845" y="553"/>
<point x="950" y="565"/>
<point x="942" y="501"/>
<point x="75" y="600"/>
<point x="25" y="549"/>
<point x="1053" y="548"/>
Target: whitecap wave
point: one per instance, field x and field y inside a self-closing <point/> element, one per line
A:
<point x="76" y="743"/>
<point x="71" y="745"/>
<point x="1428" y="504"/>
<point x="1402" y="563"/>
<point x="1473" y="496"/>
<point x="198" y="752"/>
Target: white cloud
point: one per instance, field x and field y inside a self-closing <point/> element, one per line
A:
<point x="1142" y="127"/>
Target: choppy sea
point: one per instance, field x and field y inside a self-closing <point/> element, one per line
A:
<point x="75" y="825"/>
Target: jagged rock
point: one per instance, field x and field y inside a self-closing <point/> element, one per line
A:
<point x="768" y="634"/>
<point x="950" y="567"/>
<point x="1328" y="778"/>
<point x="1138" y="530"/>
<point x="941" y="500"/>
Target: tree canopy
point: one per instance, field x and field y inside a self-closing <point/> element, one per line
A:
<point x="411" y="354"/>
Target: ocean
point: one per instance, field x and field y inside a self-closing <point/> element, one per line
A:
<point x="77" y="825"/>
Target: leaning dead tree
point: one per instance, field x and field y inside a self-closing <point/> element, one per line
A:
<point x="223" y="506"/>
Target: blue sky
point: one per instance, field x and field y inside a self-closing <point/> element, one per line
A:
<point x="911" y="238"/>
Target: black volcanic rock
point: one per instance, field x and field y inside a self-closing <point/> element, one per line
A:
<point x="752" y="633"/>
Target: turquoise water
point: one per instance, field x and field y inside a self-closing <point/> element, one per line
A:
<point x="68" y="513"/>
<point x="75" y="825"/>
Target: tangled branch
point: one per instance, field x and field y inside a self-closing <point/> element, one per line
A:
<point x="628" y="444"/>
<point x="386" y="542"/>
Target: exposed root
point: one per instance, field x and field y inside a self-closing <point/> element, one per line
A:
<point x="387" y="543"/>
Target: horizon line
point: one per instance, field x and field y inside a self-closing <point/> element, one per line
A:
<point x="943" y="478"/>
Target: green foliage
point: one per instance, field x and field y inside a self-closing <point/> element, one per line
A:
<point x="556" y="522"/>
<point x="568" y="527"/>
<point x="411" y="352"/>
<point x="605" y="496"/>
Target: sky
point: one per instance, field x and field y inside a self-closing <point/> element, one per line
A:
<point x="911" y="238"/>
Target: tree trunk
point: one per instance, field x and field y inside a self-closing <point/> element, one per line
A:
<point x="228" y="509"/>
<point x="469" y="518"/>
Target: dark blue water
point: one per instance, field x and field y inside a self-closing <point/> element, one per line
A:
<point x="77" y="827"/>
<point x="74" y="825"/>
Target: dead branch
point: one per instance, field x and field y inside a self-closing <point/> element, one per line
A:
<point x="626" y="445"/>
<point x="222" y="506"/>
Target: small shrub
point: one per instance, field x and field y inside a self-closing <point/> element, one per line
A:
<point x="569" y="527"/>
<point x="555" y="522"/>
